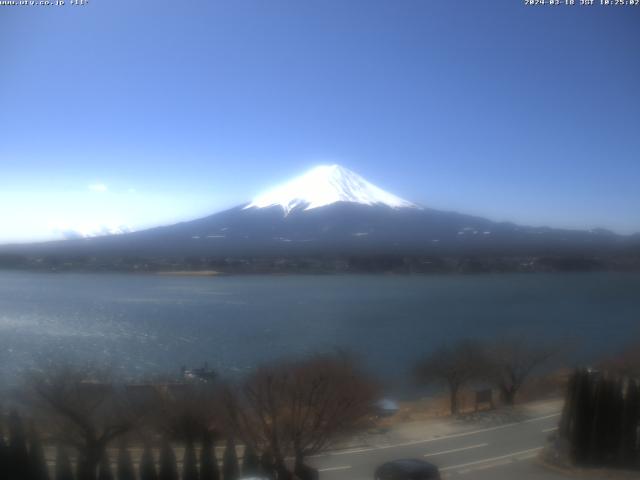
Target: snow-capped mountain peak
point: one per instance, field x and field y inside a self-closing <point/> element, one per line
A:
<point x="324" y="185"/>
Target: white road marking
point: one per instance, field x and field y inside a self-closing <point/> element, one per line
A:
<point x="435" y="439"/>
<point x="333" y="469"/>
<point x="493" y="459"/>
<point x="547" y="430"/>
<point x="528" y="456"/>
<point x="500" y="463"/>
<point x="444" y="452"/>
<point x="486" y="466"/>
<point x="538" y="418"/>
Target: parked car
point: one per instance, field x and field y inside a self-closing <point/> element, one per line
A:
<point x="385" y="407"/>
<point x="407" y="469"/>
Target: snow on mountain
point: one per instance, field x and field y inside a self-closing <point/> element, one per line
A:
<point x="324" y="185"/>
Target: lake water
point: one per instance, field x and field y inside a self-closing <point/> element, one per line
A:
<point x="146" y="323"/>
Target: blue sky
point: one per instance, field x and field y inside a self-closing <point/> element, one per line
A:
<point x="148" y="112"/>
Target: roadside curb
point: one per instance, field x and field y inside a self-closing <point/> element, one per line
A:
<point x="578" y="472"/>
<point x="462" y="433"/>
<point x="555" y="468"/>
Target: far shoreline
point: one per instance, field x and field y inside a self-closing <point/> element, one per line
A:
<point x="221" y="274"/>
<point x="189" y="273"/>
<point x="385" y="264"/>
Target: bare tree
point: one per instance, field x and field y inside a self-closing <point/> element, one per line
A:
<point x="509" y="363"/>
<point x="83" y="412"/>
<point x="453" y="366"/>
<point x="188" y="411"/>
<point x="626" y="363"/>
<point x="300" y="408"/>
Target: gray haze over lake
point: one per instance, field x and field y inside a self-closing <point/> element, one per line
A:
<point x="146" y="323"/>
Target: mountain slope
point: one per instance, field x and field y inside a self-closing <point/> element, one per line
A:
<point x="340" y="228"/>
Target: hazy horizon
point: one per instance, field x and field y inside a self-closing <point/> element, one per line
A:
<point x="60" y="235"/>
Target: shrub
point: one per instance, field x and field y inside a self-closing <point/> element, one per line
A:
<point x="168" y="467"/>
<point x="230" y="467"/>
<point x="104" y="468"/>
<point x="17" y="453"/>
<point x="148" y="465"/>
<point x="63" y="465"/>
<point x="208" y="462"/>
<point x="189" y="463"/>
<point x="125" y="464"/>
<point x="250" y="462"/>
<point x="37" y="462"/>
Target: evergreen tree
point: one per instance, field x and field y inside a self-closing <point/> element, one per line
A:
<point x="250" y="462"/>
<point x="3" y="449"/>
<point x="580" y="439"/>
<point x="601" y="420"/>
<point x="282" y="473"/>
<point x="230" y="467"/>
<point x="305" y="472"/>
<point x="630" y="425"/>
<point x="125" y="464"/>
<point x="83" y="470"/>
<point x="168" y="467"/>
<point x="611" y="430"/>
<point x="616" y="425"/>
<point x="18" y="455"/>
<point x="599" y="426"/>
<point x="148" y="465"/>
<point x="105" y="472"/>
<point x="63" y="465"/>
<point x="189" y="462"/>
<point x="266" y="465"/>
<point x="208" y="461"/>
<point x="567" y="421"/>
<point x="38" y="469"/>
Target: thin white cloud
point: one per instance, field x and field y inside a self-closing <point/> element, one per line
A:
<point x="98" y="187"/>
<point x="77" y="228"/>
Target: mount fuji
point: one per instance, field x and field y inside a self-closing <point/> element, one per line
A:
<point x="332" y="212"/>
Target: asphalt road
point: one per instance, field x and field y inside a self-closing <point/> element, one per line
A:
<point x="504" y="452"/>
